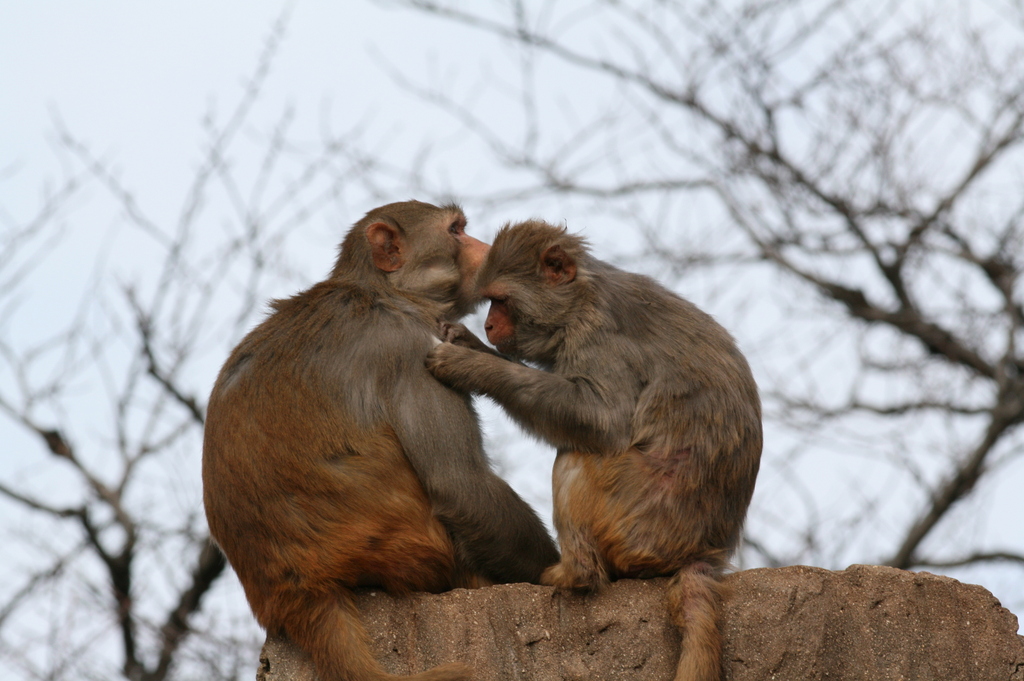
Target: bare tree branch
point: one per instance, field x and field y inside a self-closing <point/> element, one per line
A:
<point x="973" y="559"/>
<point x="1008" y="413"/>
<point x="864" y="153"/>
<point x="210" y="565"/>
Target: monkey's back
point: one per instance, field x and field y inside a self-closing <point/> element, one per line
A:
<point x="302" y="490"/>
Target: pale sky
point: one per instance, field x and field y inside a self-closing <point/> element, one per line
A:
<point x="134" y="80"/>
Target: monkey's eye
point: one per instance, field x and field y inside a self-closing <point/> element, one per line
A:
<point x="455" y="228"/>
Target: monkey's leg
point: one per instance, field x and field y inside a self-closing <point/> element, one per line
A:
<point x="329" y="629"/>
<point x="694" y="600"/>
<point x="576" y="505"/>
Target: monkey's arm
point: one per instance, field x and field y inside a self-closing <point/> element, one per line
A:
<point x="592" y="411"/>
<point x="495" y="532"/>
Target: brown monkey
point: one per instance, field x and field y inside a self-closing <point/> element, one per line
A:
<point x="332" y="459"/>
<point x="653" y="410"/>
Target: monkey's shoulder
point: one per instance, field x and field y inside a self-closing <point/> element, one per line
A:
<point x="666" y="329"/>
<point x="331" y="310"/>
<point x="332" y="298"/>
<point x="327" y="332"/>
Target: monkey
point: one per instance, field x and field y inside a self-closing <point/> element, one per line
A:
<point x="333" y="460"/>
<point x="651" y="407"/>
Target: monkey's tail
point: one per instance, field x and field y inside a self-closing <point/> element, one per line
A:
<point x="330" y="630"/>
<point x="695" y="601"/>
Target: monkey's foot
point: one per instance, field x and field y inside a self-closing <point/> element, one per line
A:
<point x="570" y="578"/>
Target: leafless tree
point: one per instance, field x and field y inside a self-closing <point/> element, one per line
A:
<point x="849" y="176"/>
<point x="112" y="570"/>
<point x="839" y="181"/>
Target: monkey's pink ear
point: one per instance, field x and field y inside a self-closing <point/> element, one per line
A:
<point x="559" y="266"/>
<point x="385" y="246"/>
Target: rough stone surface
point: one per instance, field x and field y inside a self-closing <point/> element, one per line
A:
<point x="865" y="623"/>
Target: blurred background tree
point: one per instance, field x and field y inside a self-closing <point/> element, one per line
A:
<point x="838" y="182"/>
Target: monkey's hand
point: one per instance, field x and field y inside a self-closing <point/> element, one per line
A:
<point x="458" y="334"/>
<point x="455" y="365"/>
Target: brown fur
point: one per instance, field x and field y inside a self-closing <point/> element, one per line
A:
<point x="333" y="460"/>
<point x="653" y="410"/>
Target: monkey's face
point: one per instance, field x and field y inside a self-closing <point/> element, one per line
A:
<point x="501" y="331"/>
<point x="513" y="315"/>
<point x="471" y="255"/>
<point x="530" y="278"/>
<point x="516" y="327"/>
